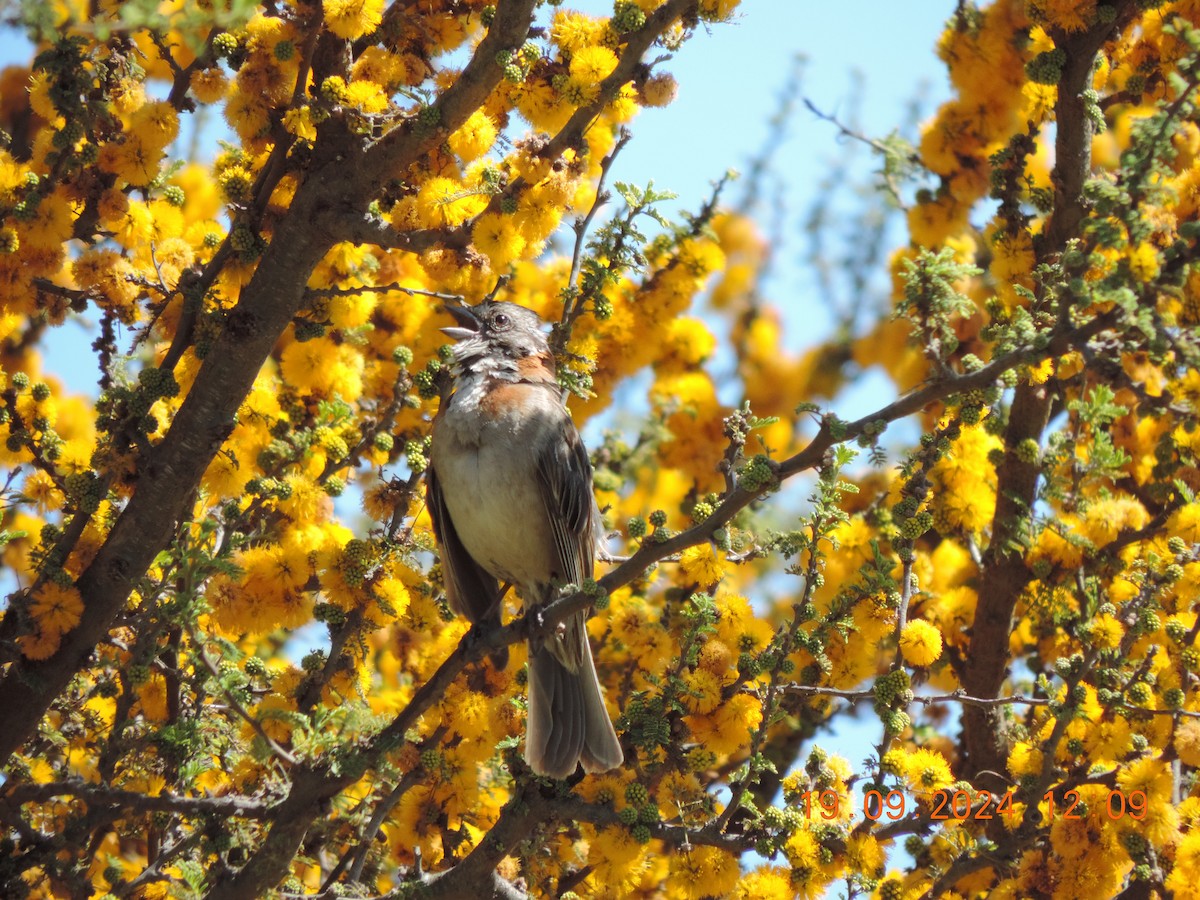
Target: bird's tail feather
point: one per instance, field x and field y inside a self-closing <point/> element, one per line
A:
<point x="568" y="722"/>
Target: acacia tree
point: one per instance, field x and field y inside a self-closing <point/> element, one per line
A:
<point x="1010" y="599"/>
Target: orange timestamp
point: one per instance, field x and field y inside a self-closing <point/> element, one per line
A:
<point x="946" y="805"/>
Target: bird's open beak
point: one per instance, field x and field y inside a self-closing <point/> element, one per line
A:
<point x="465" y="316"/>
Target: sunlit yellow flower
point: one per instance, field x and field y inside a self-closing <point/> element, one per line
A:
<point x="766" y="883"/>
<point x="351" y="19"/>
<point x="474" y="137"/>
<point x="497" y="237"/>
<point x="703" y="872"/>
<point x="1187" y="742"/>
<point x="573" y="31"/>
<point x="591" y="65"/>
<point x="924" y="771"/>
<point x="702" y="564"/>
<point x="920" y="642"/>
<point x="444" y="201"/>
<point x="1144" y="262"/>
<point x="1105" y="631"/>
<point x="1024" y="759"/>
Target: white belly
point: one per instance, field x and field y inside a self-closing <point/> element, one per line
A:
<point x="490" y="487"/>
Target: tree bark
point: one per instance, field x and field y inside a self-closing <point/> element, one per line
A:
<point x="1005" y="575"/>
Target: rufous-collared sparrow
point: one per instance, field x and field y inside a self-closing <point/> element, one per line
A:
<point x="509" y="490"/>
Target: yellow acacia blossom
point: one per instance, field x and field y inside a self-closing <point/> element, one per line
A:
<point x="702" y="872"/>
<point x="591" y="65"/>
<point x="41" y="644"/>
<point x="444" y="201"/>
<point x="56" y="609"/>
<point x="1187" y="742"/>
<point x="965" y="479"/>
<point x="920" y="642"/>
<point x="702" y="564"/>
<point x="574" y="31"/>
<point x="474" y="137"/>
<point x="924" y="771"/>
<point x="351" y="19"/>
<point x="498" y="238"/>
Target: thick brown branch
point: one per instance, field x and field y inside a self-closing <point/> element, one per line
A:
<point x="1004" y="573"/>
<point x="473" y="877"/>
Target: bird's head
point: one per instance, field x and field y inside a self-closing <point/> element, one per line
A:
<point x="495" y="330"/>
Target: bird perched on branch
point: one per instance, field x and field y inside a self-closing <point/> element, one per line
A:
<point x="509" y="490"/>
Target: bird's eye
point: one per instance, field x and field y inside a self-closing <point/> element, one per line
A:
<point x="500" y="321"/>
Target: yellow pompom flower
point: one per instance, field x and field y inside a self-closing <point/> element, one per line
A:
<point x="1185" y="523"/>
<point x="322" y="367"/>
<point x="40" y="488"/>
<point x="1144" y="262"/>
<point x="365" y="96"/>
<point x="137" y="227"/>
<point x="703" y="692"/>
<point x="56" y="609"/>
<point x="613" y="852"/>
<point x="209" y="85"/>
<point x="1152" y="777"/>
<point x="1186" y="874"/>
<point x="110" y="274"/>
<point x="133" y="159"/>
<point x="1105" y="632"/>
<point x="688" y="343"/>
<point x="591" y="65"/>
<point x="474" y="137"/>
<point x="920" y="642"/>
<point x="380" y="66"/>
<point x="1187" y="742"/>
<point x="924" y="771"/>
<point x="965" y="481"/>
<point x="703" y="872"/>
<point x="767" y="883"/>
<point x="391" y="598"/>
<point x="351" y="19"/>
<point x="496" y="236"/>
<point x="1059" y="542"/>
<point x="573" y="31"/>
<point x="157" y="124"/>
<point x="701" y="564"/>
<point x="443" y="201"/>
<point x="865" y="855"/>
<point x="803" y="851"/>
<point x="1024" y="759"/>
<point x="12" y="176"/>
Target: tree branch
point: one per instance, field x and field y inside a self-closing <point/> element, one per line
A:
<point x="136" y="801"/>
<point x="1004" y="573"/>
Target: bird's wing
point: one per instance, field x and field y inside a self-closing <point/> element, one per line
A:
<point x="565" y="477"/>
<point x="470" y="590"/>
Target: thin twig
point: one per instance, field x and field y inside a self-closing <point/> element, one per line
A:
<point x="314" y="293"/>
<point x="237" y="707"/>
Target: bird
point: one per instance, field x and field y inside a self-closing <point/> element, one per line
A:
<point x="509" y="493"/>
